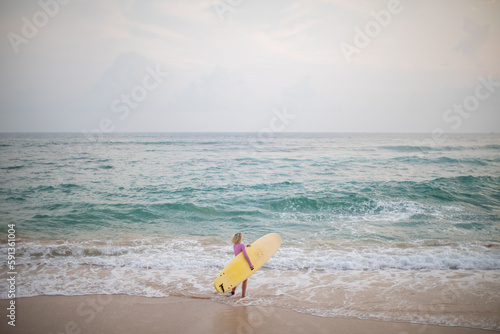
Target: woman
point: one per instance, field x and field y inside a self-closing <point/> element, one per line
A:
<point x="238" y="247"/>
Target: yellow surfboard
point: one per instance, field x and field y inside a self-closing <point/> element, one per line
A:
<point x="239" y="270"/>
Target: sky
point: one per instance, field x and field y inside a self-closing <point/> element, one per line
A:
<point x="250" y="65"/>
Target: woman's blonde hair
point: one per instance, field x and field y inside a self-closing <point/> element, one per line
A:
<point x="236" y="238"/>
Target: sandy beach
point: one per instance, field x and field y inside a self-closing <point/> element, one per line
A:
<point x="133" y="314"/>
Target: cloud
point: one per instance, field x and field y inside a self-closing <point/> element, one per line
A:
<point x="477" y="36"/>
<point x="220" y="90"/>
<point x="293" y="31"/>
<point x="127" y="71"/>
<point x="358" y="7"/>
<point x="21" y="101"/>
<point x="199" y="11"/>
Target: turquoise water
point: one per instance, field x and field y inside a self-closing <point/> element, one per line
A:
<point x="356" y="188"/>
<point x="151" y="203"/>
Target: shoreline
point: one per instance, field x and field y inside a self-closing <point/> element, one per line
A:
<point x="131" y="314"/>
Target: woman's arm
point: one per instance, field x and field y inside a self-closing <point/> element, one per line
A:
<point x="246" y="256"/>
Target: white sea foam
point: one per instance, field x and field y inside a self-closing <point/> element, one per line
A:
<point x="326" y="279"/>
<point x="420" y="296"/>
<point x="160" y="253"/>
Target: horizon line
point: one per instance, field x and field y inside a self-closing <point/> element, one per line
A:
<point x="240" y="132"/>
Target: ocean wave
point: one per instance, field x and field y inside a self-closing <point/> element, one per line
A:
<point x="13" y="167"/>
<point x="209" y="212"/>
<point x="443" y="160"/>
<point x="437" y="148"/>
<point x="469" y="180"/>
<point x="355" y="208"/>
<point x="179" y="254"/>
<point x="380" y="258"/>
<point x="406" y="148"/>
<point x="61" y="186"/>
<point x="174" y="142"/>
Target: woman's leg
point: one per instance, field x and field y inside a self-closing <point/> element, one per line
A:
<point x="244" y="288"/>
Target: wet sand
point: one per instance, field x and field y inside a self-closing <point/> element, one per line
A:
<point x="132" y="314"/>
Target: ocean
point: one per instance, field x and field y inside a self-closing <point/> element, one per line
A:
<point x="374" y="226"/>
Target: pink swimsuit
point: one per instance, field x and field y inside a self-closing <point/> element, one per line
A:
<point x="238" y="248"/>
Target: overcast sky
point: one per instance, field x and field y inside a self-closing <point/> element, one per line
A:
<point x="245" y="65"/>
